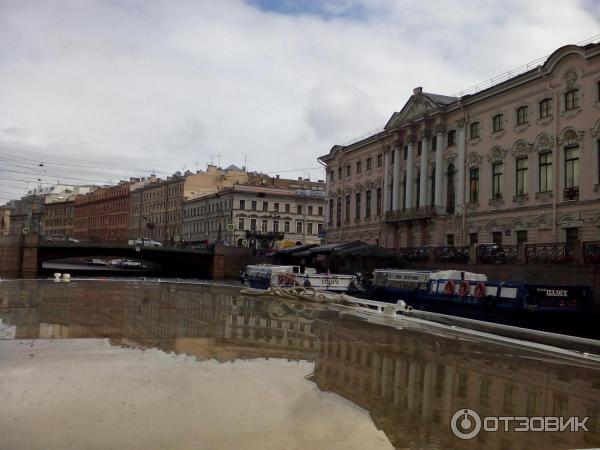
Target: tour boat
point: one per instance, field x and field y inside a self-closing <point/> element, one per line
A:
<point x="263" y="276"/>
<point x="472" y="295"/>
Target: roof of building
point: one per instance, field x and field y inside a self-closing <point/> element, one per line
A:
<point x="233" y="167"/>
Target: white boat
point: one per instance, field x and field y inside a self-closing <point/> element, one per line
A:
<point x="262" y="276"/>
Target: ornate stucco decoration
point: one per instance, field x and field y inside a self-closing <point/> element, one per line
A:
<point x="543" y="143"/>
<point x="410" y="139"/>
<point x="540" y="222"/>
<point x="450" y="157"/>
<point x="521" y="148"/>
<point x="472" y="207"/>
<point x="358" y="187"/>
<point x="491" y="225"/>
<point x="473" y="160"/>
<point x="440" y="128"/>
<point x="497" y="154"/>
<point x="544" y="197"/>
<point x="425" y="133"/>
<point x="496" y="202"/>
<point x="460" y="123"/>
<point x="520" y="199"/>
<point x="348" y="190"/>
<point x="571" y="137"/>
<point x="571" y="78"/>
<point x="378" y="182"/>
<point x="596" y="129"/>
<point x="369" y="185"/>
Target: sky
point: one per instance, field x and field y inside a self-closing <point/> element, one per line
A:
<point x="102" y="90"/>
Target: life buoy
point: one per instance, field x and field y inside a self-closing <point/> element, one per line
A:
<point x="449" y="287"/>
<point x="479" y="290"/>
<point x="463" y="289"/>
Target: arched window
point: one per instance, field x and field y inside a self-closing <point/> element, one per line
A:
<point x="451" y="193"/>
<point x="497" y="180"/>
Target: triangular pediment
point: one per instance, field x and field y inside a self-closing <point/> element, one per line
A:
<point x="415" y="108"/>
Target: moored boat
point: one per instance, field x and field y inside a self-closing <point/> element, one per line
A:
<point x="263" y="276"/>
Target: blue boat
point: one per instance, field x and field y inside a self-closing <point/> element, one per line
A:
<point x="472" y="295"/>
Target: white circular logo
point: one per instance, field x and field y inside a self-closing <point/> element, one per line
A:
<point x="465" y="424"/>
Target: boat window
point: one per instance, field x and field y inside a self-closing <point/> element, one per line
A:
<point x="508" y="292"/>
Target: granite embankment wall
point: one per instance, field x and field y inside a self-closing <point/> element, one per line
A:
<point x="18" y="256"/>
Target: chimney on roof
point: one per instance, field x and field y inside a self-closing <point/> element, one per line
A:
<point x="320" y="181"/>
<point x="277" y="177"/>
<point x="299" y="178"/>
<point x="417" y="90"/>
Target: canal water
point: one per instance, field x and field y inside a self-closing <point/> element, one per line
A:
<point x="109" y="364"/>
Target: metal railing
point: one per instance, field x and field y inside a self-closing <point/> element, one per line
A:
<point x="497" y="254"/>
<point x="451" y="255"/>
<point x="591" y="252"/>
<point x="416" y="254"/>
<point x="551" y="252"/>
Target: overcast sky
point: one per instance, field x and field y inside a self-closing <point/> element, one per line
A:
<point x="138" y="85"/>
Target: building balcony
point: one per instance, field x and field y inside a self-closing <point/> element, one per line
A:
<point x="422" y="212"/>
<point x="571" y="193"/>
<point x="270" y="235"/>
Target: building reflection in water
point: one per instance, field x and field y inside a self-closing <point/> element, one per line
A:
<point x="411" y="382"/>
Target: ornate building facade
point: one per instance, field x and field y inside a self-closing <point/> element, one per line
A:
<point x="515" y="163"/>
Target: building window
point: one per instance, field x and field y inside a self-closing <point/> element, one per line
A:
<point x="521" y="166"/>
<point x="330" y="210"/>
<point x="298" y="209"/>
<point x="474" y="130"/>
<point x="545" y="108"/>
<point x="434" y="144"/>
<point x="309" y="228"/>
<point x="286" y="226"/>
<point x="450" y="191"/>
<point x="379" y="160"/>
<point x="451" y="137"/>
<point x="571" y="99"/>
<point x="320" y="210"/>
<point x="319" y="228"/>
<point x="253" y="224"/>
<point x="498" y="123"/>
<point x="368" y="204"/>
<point x="348" y="170"/>
<point x="379" y="200"/>
<point x="450" y="240"/>
<point x="347" y="207"/>
<point x="474" y="185"/>
<point x="276" y="226"/>
<point x="310" y="210"/>
<point x="357" y="207"/>
<point x="299" y="227"/>
<point x="419" y="148"/>
<point x="521" y="237"/>
<point x="264" y="226"/>
<point x="369" y="163"/>
<point x="242" y="204"/>
<point x="571" y="167"/>
<point x="405" y="155"/>
<point x="522" y="115"/>
<point x="497" y="180"/>
<point x="358" y="166"/>
<point x="338" y="216"/>
<point x="545" y="181"/>
<point x="418" y="189"/>
<point x="497" y="237"/>
<point x="276" y="207"/>
<point x="339" y="173"/>
<point x="287" y="207"/>
<point x="265" y="206"/>
<point x="473" y="238"/>
<point x="432" y="200"/>
<point x="253" y="205"/>
<point x="331" y="176"/>
<point x="241" y="224"/>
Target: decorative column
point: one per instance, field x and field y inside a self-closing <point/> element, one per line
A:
<point x="439" y="165"/>
<point x="396" y="181"/>
<point x="425" y="140"/>
<point x="386" y="181"/>
<point x="460" y="195"/>
<point x="410" y="176"/>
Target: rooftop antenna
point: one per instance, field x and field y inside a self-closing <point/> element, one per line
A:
<point x="196" y="164"/>
<point x="211" y="160"/>
<point x="245" y="163"/>
<point x="219" y="158"/>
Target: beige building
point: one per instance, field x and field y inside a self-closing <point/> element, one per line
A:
<point x="513" y="163"/>
<point x="156" y="208"/>
<point x="58" y="218"/>
<point x="258" y="215"/>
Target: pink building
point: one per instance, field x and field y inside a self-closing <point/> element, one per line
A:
<point x="516" y="162"/>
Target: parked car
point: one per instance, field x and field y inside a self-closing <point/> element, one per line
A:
<point x="61" y="238"/>
<point x="147" y="242"/>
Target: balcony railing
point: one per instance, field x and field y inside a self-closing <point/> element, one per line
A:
<point x="571" y="193"/>
<point x="552" y="252"/>
<point x="255" y="234"/>
<point x="422" y="212"/>
<point x="591" y="252"/>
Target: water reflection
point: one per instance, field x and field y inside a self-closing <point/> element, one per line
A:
<point x="411" y="382"/>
